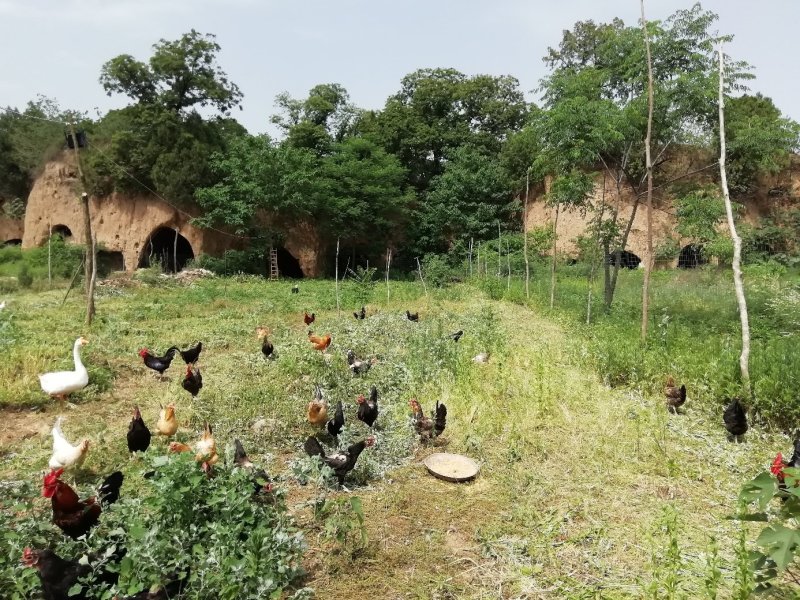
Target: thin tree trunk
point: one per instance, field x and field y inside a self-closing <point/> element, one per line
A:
<point x="648" y="264"/>
<point x="87" y="226"/>
<point x="422" y="279"/>
<point x="49" y="258"/>
<point x="338" y="310"/>
<point x="499" y="251"/>
<point x="589" y="295"/>
<point x="618" y="256"/>
<point x="479" y="259"/>
<point x="92" y="280"/>
<point x="508" y="265"/>
<point x="553" y="267"/>
<point x="175" y="252"/>
<point x="525" y="237"/>
<point x="744" y="358"/>
<point x="471" y="241"/>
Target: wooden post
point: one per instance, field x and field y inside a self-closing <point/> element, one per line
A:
<point x="553" y="265"/>
<point x="175" y="252"/>
<point x="87" y="226"/>
<point x="388" y="264"/>
<point x="499" y="251"/>
<point x="525" y="235"/>
<point x="648" y="264"/>
<point x="338" y="310"/>
<point x="744" y="358"/>
<point x="471" y="242"/>
<point x="422" y="279"/>
<point x="508" y="264"/>
<point x="49" y="257"/>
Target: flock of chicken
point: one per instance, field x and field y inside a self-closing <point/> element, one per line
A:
<point x="734" y="416"/>
<point x="75" y="517"/>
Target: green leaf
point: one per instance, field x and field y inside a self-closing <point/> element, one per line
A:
<point x="760" y="489"/>
<point x="781" y="543"/>
<point x="74" y="590"/>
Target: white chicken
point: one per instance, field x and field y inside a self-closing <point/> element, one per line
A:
<point x="60" y="384"/>
<point x="65" y="455"/>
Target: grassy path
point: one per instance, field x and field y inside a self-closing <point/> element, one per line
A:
<point x="575" y="477"/>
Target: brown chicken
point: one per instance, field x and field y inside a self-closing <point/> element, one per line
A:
<point x="167" y="423"/>
<point x="319" y="342"/>
<point x="205" y="449"/>
<point x="75" y="517"/>
<point x="317" y="409"/>
<point x="308" y="319"/>
<point x="675" y="396"/>
<point x="428" y="427"/>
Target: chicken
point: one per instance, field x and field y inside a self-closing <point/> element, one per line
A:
<point x="191" y="355"/>
<point x="65" y="455"/>
<point x="262" y="483"/>
<point x="319" y="342"/>
<point x="779" y="464"/>
<point x="267" y="348"/>
<point x="358" y="366"/>
<point x="61" y="384"/>
<point x="457" y="335"/>
<point x="206" y="449"/>
<point x="70" y="514"/>
<point x="362" y="314"/>
<point x="429" y="427"/>
<point x="193" y="380"/>
<point x="308" y="319"/>
<point x="412" y="317"/>
<point x="295" y="289"/>
<point x="138" y="433"/>
<point x="368" y="409"/>
<point x="481" y="358"/>
<point x="57" y="575"/>
<point x="167" y="423"/>
<point x="341" y="462"/>
<point x="735" y="419"/>
<point x="317" y="412"/>
<point x="158" y="363"/>
<point x="675" y="396"/>
<point x="334" y="425"/>
<point x="177" y="447"/>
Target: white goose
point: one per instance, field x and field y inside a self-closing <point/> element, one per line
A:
<point x="61" y="384"/>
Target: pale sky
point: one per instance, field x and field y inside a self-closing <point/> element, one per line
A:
<point x="56" y="47"/>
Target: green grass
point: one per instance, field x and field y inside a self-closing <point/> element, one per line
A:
<point x="575" y="476"/>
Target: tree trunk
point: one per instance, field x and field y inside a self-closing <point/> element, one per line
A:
<point x="744" y="358"/>
<point x="388" y="265"/>
<point x="338" y="309"/>
<point x="525" y="237"/>
<point x="618" y="256"/>
<point x="648" y="264"/>
<point x="553" y="267"/>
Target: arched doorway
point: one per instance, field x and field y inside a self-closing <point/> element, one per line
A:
<point x="14" y="242"/>
<point x="691" y="257"/>
<point x="627" y="260"/>
<point x="167" y="247"/>
<point x="110" y="260"/>
<point x="288" y="265"/>
<point x="62" y="230"/>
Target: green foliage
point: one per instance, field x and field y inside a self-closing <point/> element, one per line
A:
<point x="24" y="276"/>
<point x="759" y="140"/>
<point x="363" y="282"/>
<point x="342" y="522"/>
<point x="667" y="249"/>
<point x="699" y="214"/>
<point x="666" y="578"/>
<point x="65" y="258"/>
<point x="181" y="74"/>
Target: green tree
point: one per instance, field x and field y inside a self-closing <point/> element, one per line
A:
<point x="181" y="74"/>
<point x="759" y="140"/>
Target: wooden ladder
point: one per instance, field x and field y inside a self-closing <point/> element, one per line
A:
<point x="273" y="264"/>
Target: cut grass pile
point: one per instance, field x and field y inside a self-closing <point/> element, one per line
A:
<point x="575" y="476"/>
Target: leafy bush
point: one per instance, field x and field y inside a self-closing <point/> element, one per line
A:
<point x="252" y="260"/>
<point x="24" y="276"/>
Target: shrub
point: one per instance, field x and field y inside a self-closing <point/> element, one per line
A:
<point x="24" y="277"/>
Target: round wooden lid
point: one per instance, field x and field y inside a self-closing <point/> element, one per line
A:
<point x="451" y="467"/>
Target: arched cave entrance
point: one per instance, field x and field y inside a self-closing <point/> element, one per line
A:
<point x="288" y="265"/>
<point x="108" y="261"/>
<point x="14" y="242"/>
<point x="691" y="257"/>
<point x="628" y="260"/>
<point x="161" y="247"/>
<point x="62" y="230"/>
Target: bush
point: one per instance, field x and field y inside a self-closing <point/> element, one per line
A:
<point x="24" y="277"/>
<point x="252" y="260"/>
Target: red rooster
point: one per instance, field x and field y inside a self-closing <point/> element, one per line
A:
<point x="75" y="517"/>
<point x="308" y="319"/>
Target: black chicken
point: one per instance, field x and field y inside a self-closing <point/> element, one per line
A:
<point x="58" y="575"/>
<point x="368" y="408"/>
<point x="262" y="483"/>
<point x="360" y="316"/>
<point x="193" y="381"/>
<point x="109" y="489"/>
<point x="735" y="419"/>
<point x="341" y="462"/>
<point x="412" y="317"/>
<point x="295" y="289"/>
<point x="138" y="433"/>
<point x="457" y="335"/>
<point x="266" y="346"/>
<point x="158" y="363"/>
<point x="191" y="355"/>
<point x="334" y="425"/>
